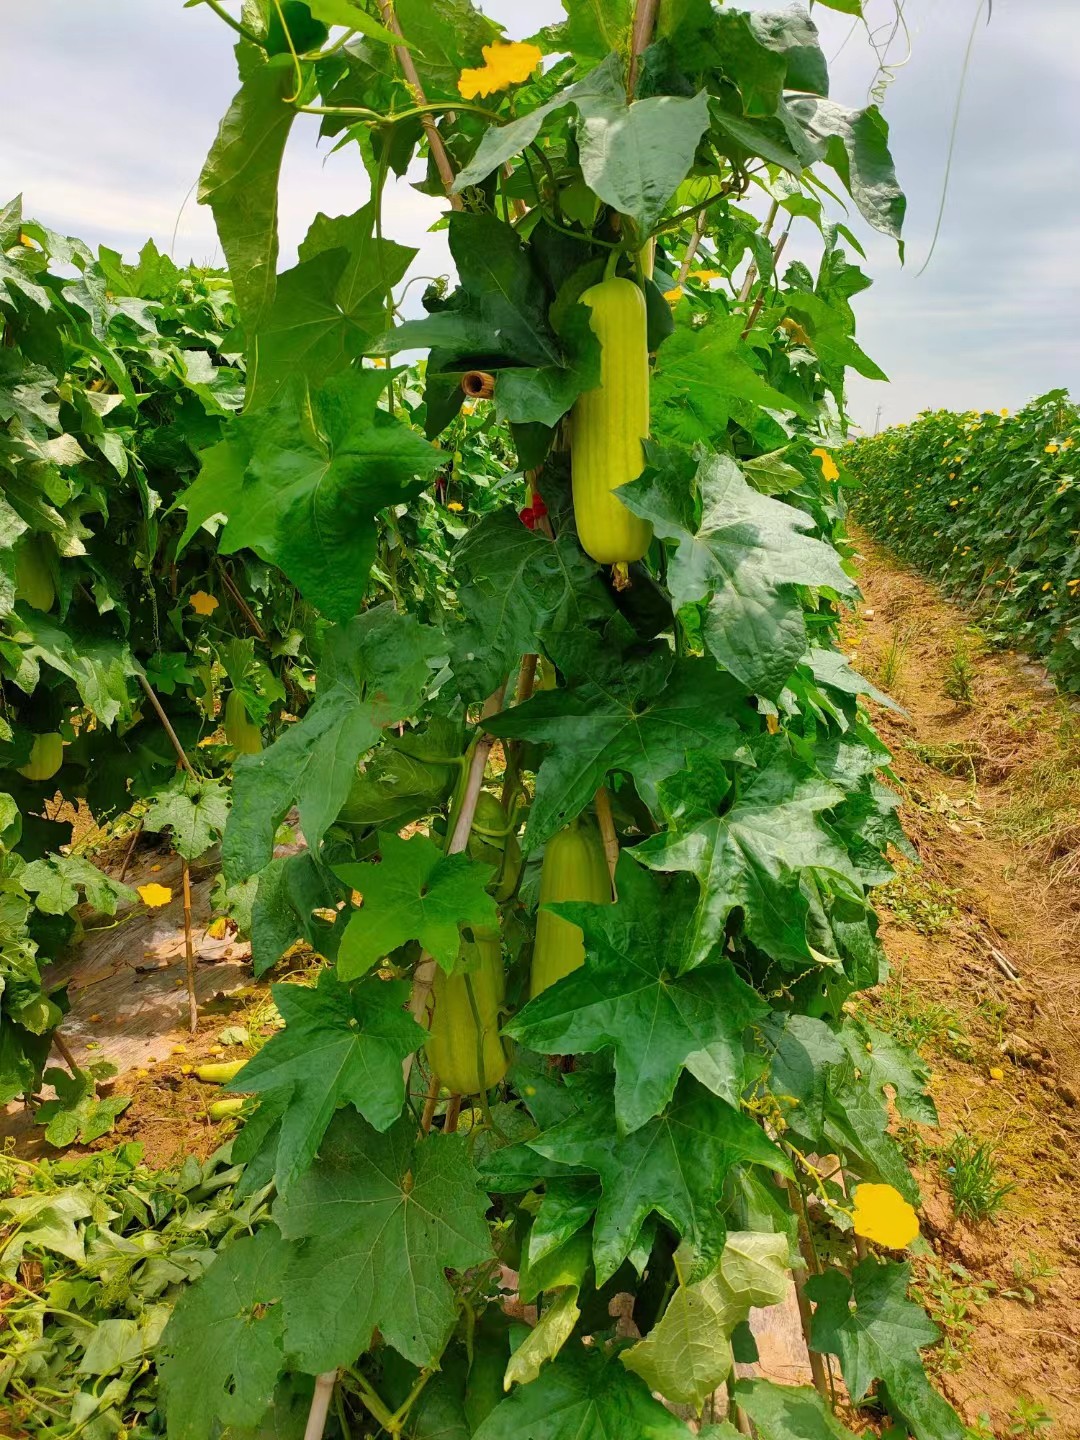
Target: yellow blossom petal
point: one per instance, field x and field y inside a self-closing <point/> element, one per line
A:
<point x="153" y="895"/>
<point x="1004" y="412"/>
<point x="996" y="1073"/>
<point x="828" y="465"/>
<point x="1051" y="449"/>
<point x="706" y="275"/>
<point x="1067" y="444"/>
<point x="455" y="506"/>
<point x="884" y="1216"/>
<point x="503" y="65"/>
<point x="672" y="295"/>
<point x="203" y="604"/>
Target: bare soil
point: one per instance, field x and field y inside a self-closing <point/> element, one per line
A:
<point x="962" y="769"/>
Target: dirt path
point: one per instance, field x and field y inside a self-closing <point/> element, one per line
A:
<point x="988" y="763"/>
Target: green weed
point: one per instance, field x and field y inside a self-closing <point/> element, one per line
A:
<point x="891" y="669"/>
<point x="915" y="1021"/>
<point x="914" y="900"/>
<point x="955" y="757"/>
<point x="951" y="1298"/>
<point x="977" y="1191"/>
<point x="1029" y="1417"/>
<point x="1027" y="1274"/>
<point x="960" y="675"/>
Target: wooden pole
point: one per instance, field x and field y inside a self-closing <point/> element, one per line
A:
<point x="189" y="951"/>
<point x="431" y="131"/>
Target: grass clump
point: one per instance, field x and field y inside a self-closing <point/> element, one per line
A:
<point x="971" y="1171"/>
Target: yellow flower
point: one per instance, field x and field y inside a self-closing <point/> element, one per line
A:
<point x="503" y="65"/>
<point x="672" y="295"/>
<point x="706" y="275"/>
<point x="203" y="604"/>
<point x="884" y="1216"/>
<point x="153" y="895"/>
<point x="828" y="465"/>
<point x="1051" y="449"/>
<point x="1067" y="444"/>
<point x="1004" y="412"/>
<point x="1049" y="585"/>
<point x="953" y="504"/>
<point x="455" y="506"/>
<point x="952" y="474"/>
<point x="996" y="1073"/>
<point x="379" y="362"/>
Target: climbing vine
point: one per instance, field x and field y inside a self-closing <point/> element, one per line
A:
<point x="648" y="1120"/>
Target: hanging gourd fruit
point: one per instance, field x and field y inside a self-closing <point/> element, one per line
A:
<point x="609" y="425"/>
<point x="46" y="757"/>
<point x="455" y="1043"/>
<point x="243" y="734"/>
<point x="33" y="578"/>
<point x="493" y="843"/>
<point x="574" y="868"/>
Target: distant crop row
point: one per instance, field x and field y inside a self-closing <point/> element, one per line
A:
<point x="988" y="504"/>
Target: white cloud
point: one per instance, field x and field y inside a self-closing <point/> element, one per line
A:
<point x="135" y="88"/>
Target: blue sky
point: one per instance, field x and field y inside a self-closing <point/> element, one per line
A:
<point x="110" y="108"/>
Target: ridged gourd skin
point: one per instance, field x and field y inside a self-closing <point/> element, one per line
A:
<point x="574" y="868"/>
<point x="46" y="757"/>
<point x="609" y="424"/>
<point x="243" y="735"/>
<point x="33" y="578"/>
<point x="452" y="1050"/>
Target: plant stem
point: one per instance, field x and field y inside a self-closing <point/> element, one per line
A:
<point x="189" y="951"/>
<point x="431" y="1099"/>
<point x="244" y="608"/>
<point x="60" y="1045"/>
<point x="806" y="1249"/>
<point x="751" y="269"/>
<point x="778" y="250"/>
<point x="130" y="851"/>
<point x="222" y="14"/>
<point x="700" y="226"/>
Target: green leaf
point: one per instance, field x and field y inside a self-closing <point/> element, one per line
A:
<point x="342" y="1045"/>
<point x="752" y="855"/>
<point x="353" y="15"/>
<point x="57" y="879"/>
<point x="194" y="810"/>
<point x="856" y="145"/>
<point x="382" y="1218"/>
<point x="415" y="892"/>
<point x="674" y="1165"/>
<point x="221" y="1353"/>
<point x="645" y="720"/>
<point x="558" y="1277"/>
<point x="583" y="1395"/>
<point x="632" y="995"/>
<point x="520" y="591"/>
<point x="374" y="673"/>
<point x="742" y="560"/>
<point x="116" y="1343"/>
<point x="301" y="482"/>
<point x="327" y="307"/>
<point x="793" y="36"/>
<point x="99" y="665"/>
<point x="240" y="182"/>
<point x="45" y="1222"/>
<point x="704" y="375"/>
<point x="877" y="1333"/>
<point x="77" y="1113"/>
<point x="687" y="1354"/>
<point x="634" y="157"/>
<point x="788" y="1412"/>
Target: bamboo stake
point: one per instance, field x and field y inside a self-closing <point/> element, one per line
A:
<point x="644" y="25"/>
<point x="431" y="130"/>
<point x="806" y="1249"/>
<point x="320" y="1405"/>
<point x="696" y="238"/>
<point x="602" y="805"/>
<point x="778" y="250"/>
<point x="431" y="1099"/>
<point x="189" y="951"/>
<point x="156" y="703"/>
<point x="130" y="851"/>
<point x="245" y="609"/>
<point x="60" y="1045"/>
<point x="453" y="1113"/>
<point x="752" y="270"/>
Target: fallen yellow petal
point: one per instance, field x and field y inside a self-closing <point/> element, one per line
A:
<point x="996" y="1072"/>
<point x="153" y="895"/>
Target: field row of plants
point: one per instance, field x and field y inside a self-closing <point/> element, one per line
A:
<point x="539" y="642"/>
<point x="987" y="504"/>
